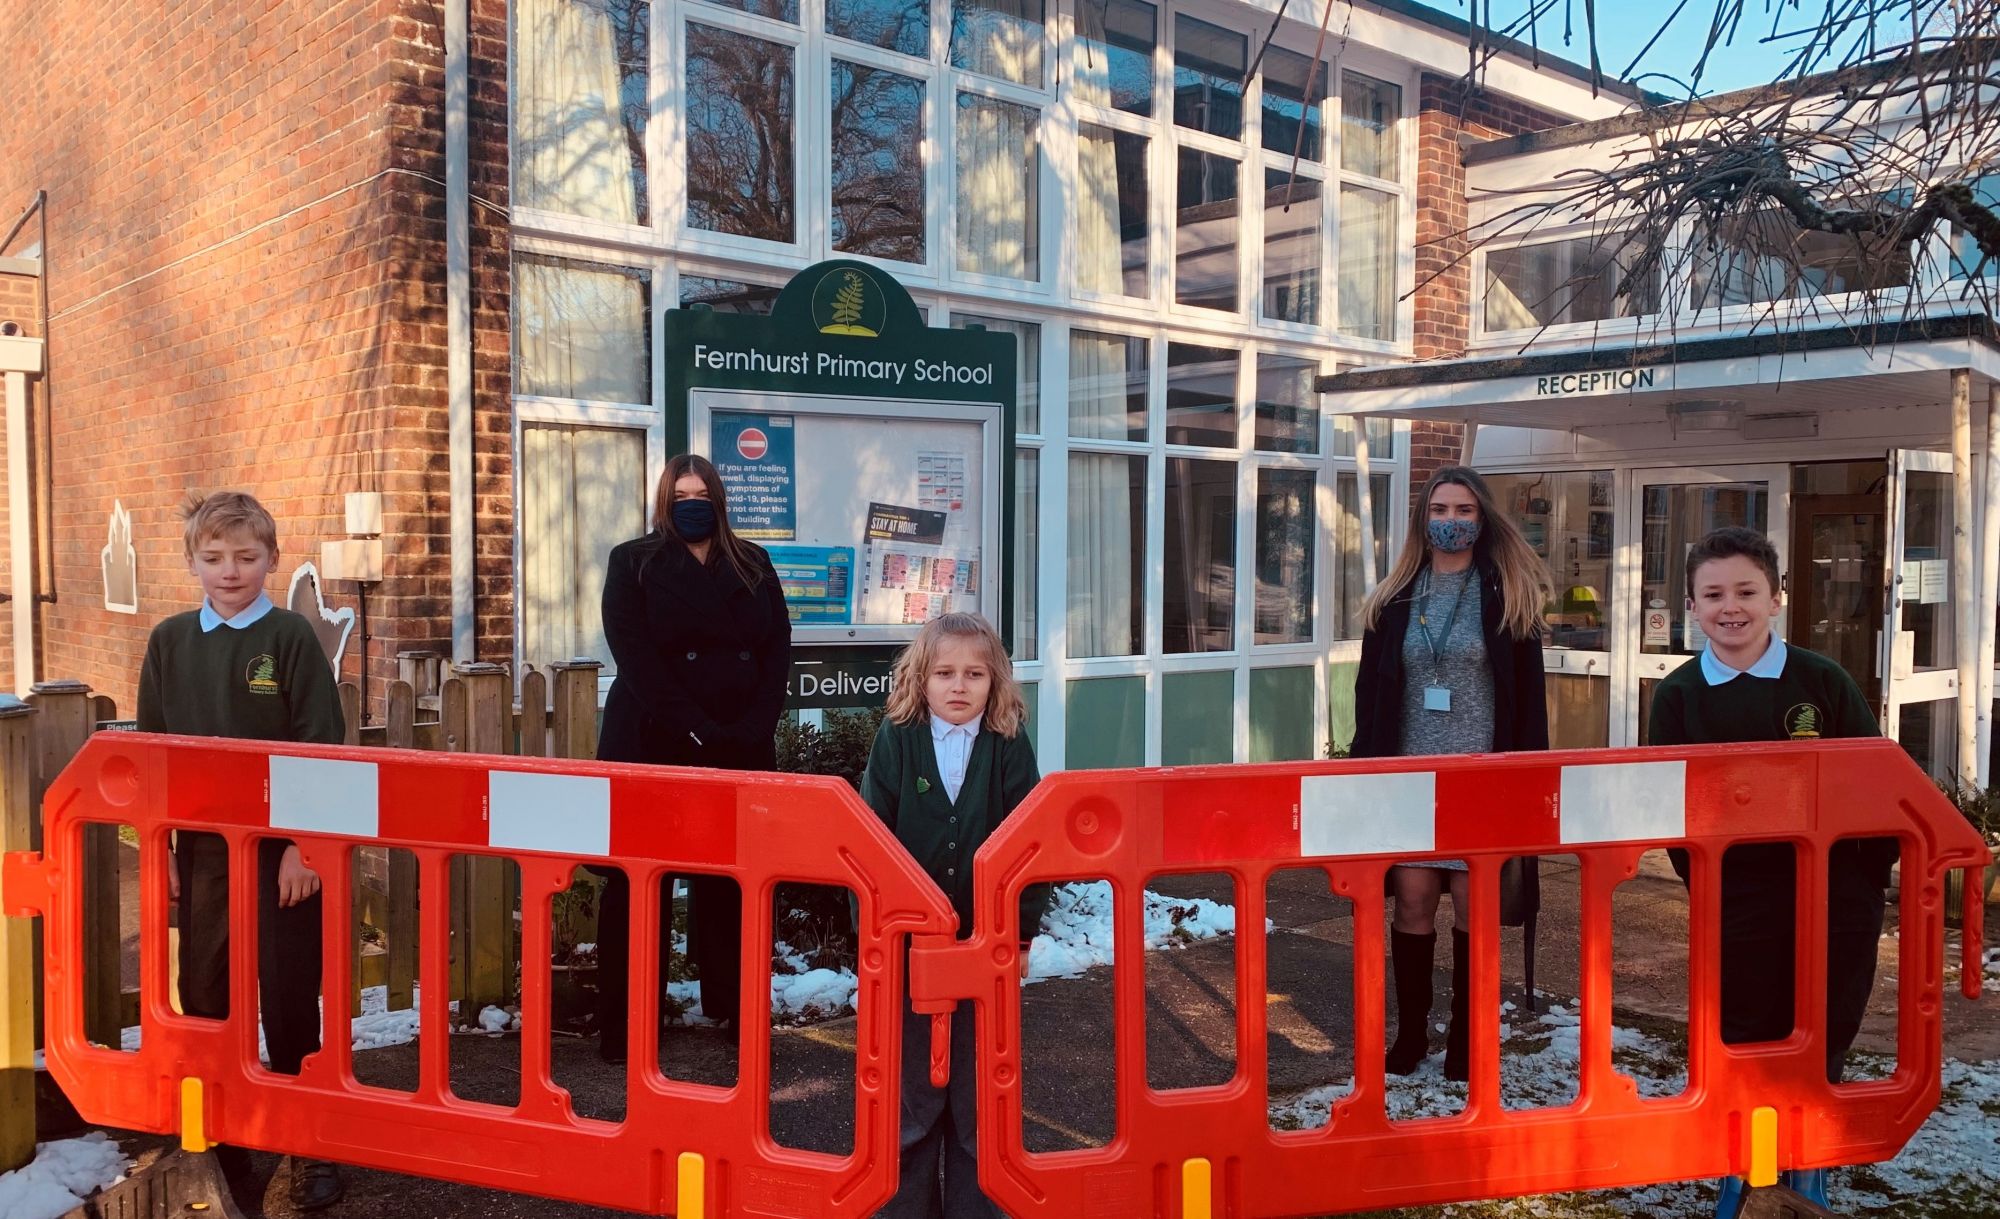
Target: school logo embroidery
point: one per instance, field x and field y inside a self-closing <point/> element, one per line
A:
<point x="1802" y="722"/>
<point x="262" y="676"/>
<point x="845" y="302"/>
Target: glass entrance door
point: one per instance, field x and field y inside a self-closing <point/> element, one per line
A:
<point x="1919" y="656"/>
<point x="1671" y="510"/>
<point x="1839" y="547"/>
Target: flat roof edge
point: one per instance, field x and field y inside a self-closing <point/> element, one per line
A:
<point x="1975" y="326"/>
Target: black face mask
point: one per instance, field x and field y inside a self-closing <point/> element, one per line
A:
<point x="694" y="519"/>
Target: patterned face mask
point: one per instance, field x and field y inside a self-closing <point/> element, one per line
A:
<point x="1453" y="534"/>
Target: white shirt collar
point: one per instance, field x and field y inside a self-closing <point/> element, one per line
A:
<point x="245" y="617"/>
<point x="1771" y="665"/>
<point x="942" y="727"/>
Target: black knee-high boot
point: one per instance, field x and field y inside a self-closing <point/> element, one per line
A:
<point x="1410" y="958"/>
<point x="1455" y="1066"/>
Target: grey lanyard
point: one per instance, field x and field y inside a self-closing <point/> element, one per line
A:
<point x="1451" y="619"/>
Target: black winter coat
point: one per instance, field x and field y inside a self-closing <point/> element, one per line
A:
<point x="703" y="659"/>
<point x="1520" y="714"/>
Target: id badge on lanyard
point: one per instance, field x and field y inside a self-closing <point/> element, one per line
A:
<point x="1437" y="698"/>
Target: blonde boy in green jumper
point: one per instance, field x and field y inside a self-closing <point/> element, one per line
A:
<point x="240" y="667"/>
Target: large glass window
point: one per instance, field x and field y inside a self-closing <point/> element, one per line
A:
<point x="1764" y="257"/>
<point x="581" y="330"/>
<point x="1113" y="226"/>
<point x="1369" y="111"/>
<point x="998" y="38"/>
<point x="728" y="295"/>
<point x="1107" y="386"/>
<point x="1201" y="395"/>
<point x="877" y="162"/>
<point x="1199" y="610"/>
<point x="1294" y="98"/>
<point x="895" y="25"/>
<point x="1294" y="231"/>
<point x="1580" y="279"/>
<point x="1347" y="544"/>
<point x="739" y="134"/>
<point x="1107" y="554"/>
<point x="1027" y="365"/>
<point x="1111" y="61"/>
<point x="582" y="492"/>
<point x="580" y="107"/>
<point x="999" y="172"/>
<point x="1205" y="225"/>
<point x="1368" y="262"/>
<point x="1288" y="406"/>
<point x="1283" y="612"/>
<point x="777" y="10"/>
<point x="1566" y="519"/>
<point x="1209" y="66"/>
<point x="1027" y="550"/>
<point x="1967" y="260"/>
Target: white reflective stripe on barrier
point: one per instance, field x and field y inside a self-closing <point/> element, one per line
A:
<point x="1624" y="802"/>
<point x="562" y="814"/>
<point x="324" y="796"/>
<point x="1367" y="814"/>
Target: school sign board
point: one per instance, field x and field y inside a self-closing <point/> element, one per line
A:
<point x="871" y="454"/>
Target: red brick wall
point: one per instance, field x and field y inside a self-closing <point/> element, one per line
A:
<point x="1447" y="110"/>
<point x="246" y="283"/>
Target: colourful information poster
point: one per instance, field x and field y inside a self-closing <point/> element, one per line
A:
<point x="818" y="583"/>
<point x="757" y="458"/>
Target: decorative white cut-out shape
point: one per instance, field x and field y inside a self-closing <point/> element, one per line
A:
<point x="305" y="597"/>
<point x="120" y="563"/>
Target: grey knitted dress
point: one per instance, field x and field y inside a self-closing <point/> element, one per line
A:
<point x="1459" y="664"/>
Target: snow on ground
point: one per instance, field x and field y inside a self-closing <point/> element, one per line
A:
<point x="1950" y="1168"/>
<point x="1076" y="931"/>
<point x="61" y="1176"/>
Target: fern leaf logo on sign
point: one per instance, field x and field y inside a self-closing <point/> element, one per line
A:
<point x="845" y="302"/>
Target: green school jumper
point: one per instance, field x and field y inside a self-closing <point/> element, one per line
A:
<point x="903" y="785"/>
<point x="1811" y="698"/>
<point x="269" y="681"/>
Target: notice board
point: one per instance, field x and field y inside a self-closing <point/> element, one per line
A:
<point x="870" y="454"/>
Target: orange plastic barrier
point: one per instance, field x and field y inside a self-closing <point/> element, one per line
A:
<point x="547" y="816"/>
<point x="1210" y="1150"/>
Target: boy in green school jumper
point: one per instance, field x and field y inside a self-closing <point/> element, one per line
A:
<point x="950" y="762"/>
<point x="240" y="667"/>
<point x="1749" y="685"/>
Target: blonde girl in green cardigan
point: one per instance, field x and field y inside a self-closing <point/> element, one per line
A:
<point x="948" y="765"/>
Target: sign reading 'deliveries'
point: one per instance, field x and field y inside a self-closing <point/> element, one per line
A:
<point x="1611" y="381"/>
<point x="871" y="454"/>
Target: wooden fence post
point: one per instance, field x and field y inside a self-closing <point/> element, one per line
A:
<point x="482" y="913"/>
<point x="64" y="725"/>
<point x="20" y="962"/>
<point x="576" y="708"/>
<point x="534" y="723"/>
<point x="419" y="668"/>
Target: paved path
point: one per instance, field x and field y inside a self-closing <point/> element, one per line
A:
<point x="1068" y="1034"/>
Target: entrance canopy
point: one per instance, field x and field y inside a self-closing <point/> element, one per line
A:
<point x="1775" y="373"/>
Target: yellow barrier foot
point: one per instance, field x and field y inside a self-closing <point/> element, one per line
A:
<point x="1195" y="1189"/>
<point x="194" y="1130"/>
<point x="690" y="1194"/>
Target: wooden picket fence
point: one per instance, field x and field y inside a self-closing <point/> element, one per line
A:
<point x="471" y="708"/>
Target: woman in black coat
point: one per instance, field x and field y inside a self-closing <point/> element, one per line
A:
<point x="699" y="632"/>
<point x="1451" y="662"/>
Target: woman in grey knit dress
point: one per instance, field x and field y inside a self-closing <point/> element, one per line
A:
<point x="1451" y="663"/>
